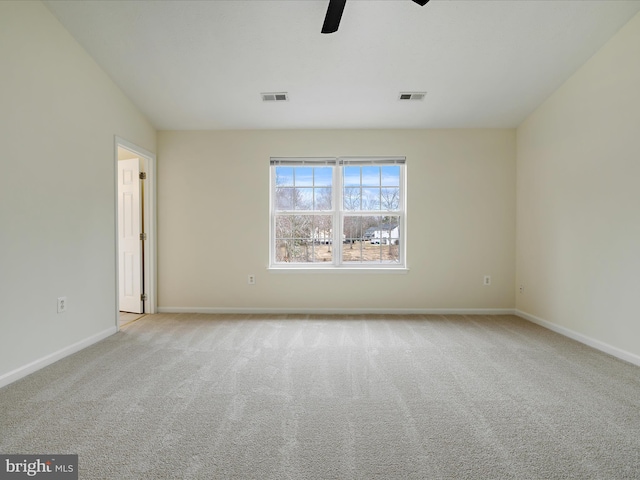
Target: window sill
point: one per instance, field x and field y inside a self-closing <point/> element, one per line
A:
<point x="339" y="270"/>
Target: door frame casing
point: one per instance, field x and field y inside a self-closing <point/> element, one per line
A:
<point x="149" y="225"/>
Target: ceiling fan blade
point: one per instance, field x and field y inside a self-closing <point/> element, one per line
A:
<point x="334" y="14"/>
<point x="422" y="3"/>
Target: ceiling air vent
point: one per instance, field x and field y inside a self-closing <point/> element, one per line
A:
<point x="275" y="97"/>
<point x="412" y="95"/>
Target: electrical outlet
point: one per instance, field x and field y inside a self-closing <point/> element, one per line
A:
<point x="487" y="280"/>
<point x="62" y="304"/>
<point x="521" y="288"/>
<point x="251" y="280"/>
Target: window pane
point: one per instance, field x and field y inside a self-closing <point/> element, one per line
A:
<point x="352" y="229"/>
<point x="295" y="246"/>
<point x="386" y="238"/>
<point x="284" y="198"/>
<point x="323" y="176"/>
<point x="379" y="242"/>
<point x="391" y="176"/>
<point x="282" y="250"/>
<point x="303" y="198"/>
<point x="322" y="199"/>
<point x="295" y="251"/>
<point x="302" y="252"/>
<point x="371" y="176"/>
<point x="353" y="242"/>
<point x="304" y="176"/>
<point x="351" y="176"/>
<point x="391" y="252"/>
<point x="302" y="228"/>
<point x="371" y="198"/>
<point x="371" y="239"/>
<point x="322" y="238"/>
<point x="284" y="176"/>
<point x="322" y="229"/>
<point x="283" y="227"/>
<point x="351" y="198"/>
<point x="303" y="238"/>
<point x="390" y="198"/>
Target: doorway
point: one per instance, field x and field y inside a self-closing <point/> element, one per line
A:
<point x="135" y="232"/>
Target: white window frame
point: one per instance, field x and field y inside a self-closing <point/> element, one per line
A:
<point x="338" y="214"/>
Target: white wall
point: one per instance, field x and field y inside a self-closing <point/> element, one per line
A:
<point x="578" y="214"/>
<point x="213" y="224"/>
<point x="58" y="119"/>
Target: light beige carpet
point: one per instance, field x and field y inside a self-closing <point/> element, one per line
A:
<point x="309" y="397"/>
<point x="127" y="317"/>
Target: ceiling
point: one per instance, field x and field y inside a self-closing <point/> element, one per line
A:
<point x="194" y="65"/>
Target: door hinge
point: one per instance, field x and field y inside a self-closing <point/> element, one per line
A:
<point x="143" y="175"/>
<point x="143" y="236"/>
<point x="143" y="297"/>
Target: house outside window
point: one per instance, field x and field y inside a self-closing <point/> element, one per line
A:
<point x="338" y="213"/>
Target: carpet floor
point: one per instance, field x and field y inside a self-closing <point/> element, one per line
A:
<point x="189" y="396"/>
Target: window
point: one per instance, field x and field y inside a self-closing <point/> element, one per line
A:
<point x="337" y="212"/>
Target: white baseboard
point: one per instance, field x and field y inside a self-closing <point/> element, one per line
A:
<point x="592" y="342"/>
<point x="29" y="368"/>
<point x="340" y="311"/>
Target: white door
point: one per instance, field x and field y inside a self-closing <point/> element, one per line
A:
<point x="129" y="229"/>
